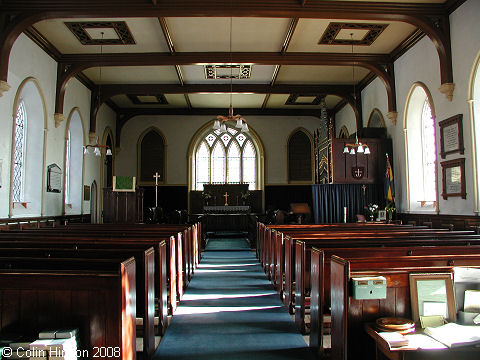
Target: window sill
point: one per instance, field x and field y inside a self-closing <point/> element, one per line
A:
<point x="20" y="203"/>
<point x="427" y="204"/>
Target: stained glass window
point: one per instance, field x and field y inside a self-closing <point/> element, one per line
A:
<point x="218" y="164"/>
<point x="233" y="160"/>
<point x="68" y="158"/>
<point x="249" y="165"/>
<point x="19" y="153"/>
<point x="223" y="158"/>
<point x="202" y="162"/>
<point x="429" y="153"/>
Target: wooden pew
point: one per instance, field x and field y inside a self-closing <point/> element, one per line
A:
<point x="349" y="338"/>
<point x="145" y="287"/>
<point x="98" y="297"/>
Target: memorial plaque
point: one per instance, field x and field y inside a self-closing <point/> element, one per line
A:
<point x="451" y="136"/>
<point x="453" y="178"/>
<point x="54" y="178"/>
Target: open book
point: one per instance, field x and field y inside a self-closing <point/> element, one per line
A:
<point x="455" y="335"/>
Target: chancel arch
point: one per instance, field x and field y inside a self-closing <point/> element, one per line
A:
<point x="232" y="157"/>
<point x="474" y="104"/>
<point x="73" y="173"/>
<point x="299" y="152"/>
<point x="151" y="154"/>
<point x="421" y="153"/>
<point x="28" y="150"/>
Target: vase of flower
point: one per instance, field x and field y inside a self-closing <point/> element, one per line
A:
<point x="372" y="209"/>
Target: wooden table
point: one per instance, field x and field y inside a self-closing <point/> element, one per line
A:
<point x="420" y="346"/>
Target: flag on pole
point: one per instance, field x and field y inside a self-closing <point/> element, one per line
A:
<point x="389" y="186"/>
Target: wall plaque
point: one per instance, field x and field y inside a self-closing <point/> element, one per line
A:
<point x="451" y="136"/>
<point x="453" y="178"/>
<point x="86" y="193"/>
<point x="54" y="178"/>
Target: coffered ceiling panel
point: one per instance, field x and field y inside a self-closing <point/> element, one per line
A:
<point x="195" y="74"/>
<point x="174" y="100"/>
<point x="222" y="101"/>
<point x="213" y="34"/>
<point x="278" y="101"/>
<point x="296" y="74"/>
<point x="309" y="32"/>
<point x="146" y="33"/>
<point x="133" y="75"/>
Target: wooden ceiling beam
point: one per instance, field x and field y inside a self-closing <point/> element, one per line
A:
<point x="213" y="8"/>
<point x="432" y="19"/>
<point x="155" y="89"/>
<point x="85" y="61"/>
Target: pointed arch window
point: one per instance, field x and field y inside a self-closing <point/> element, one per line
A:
<point x="421" y="151"/>
<point x="429" y="153"/>
<point x="222" y="158"/>
<point x="151" y="156"/>
<point x="299" y="157"/>
<point x="68" y="164"/>
<point x="19" y="153"/>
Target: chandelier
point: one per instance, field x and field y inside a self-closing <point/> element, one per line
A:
<point x="357" y="147"/>
<point x="220" y="121"/>
<point x="96" y="149"/>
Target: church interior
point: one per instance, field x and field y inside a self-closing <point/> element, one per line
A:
<point x="182" y="146"/>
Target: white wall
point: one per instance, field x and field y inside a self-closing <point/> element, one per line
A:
<point x="179" y="131"/>
<point x="345" y="117"/>
<point x="421" y="64"/>
<point x="28" y="60"/>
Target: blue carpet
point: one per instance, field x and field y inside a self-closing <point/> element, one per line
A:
<point x="230" y="311"/>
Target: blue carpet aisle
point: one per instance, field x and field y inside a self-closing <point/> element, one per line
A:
<point x="230" y="311"/>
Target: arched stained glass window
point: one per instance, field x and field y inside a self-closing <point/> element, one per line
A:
<point x="68" y="161"/>
<point x="218" y="164"/>
<point x="229" y="157"/>
<point x="19" y="153"/>
<point x="151" y="156"/>
<point x="299" y="157"/>
<point x="421" y="150"/>
<point x="249" y="165"/>
<point x="429" y="153"/>
<point x="202" y="162"/>
<point x="233" y="160"/>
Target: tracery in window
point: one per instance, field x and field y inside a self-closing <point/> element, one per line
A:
<point x="229" y="157"/>
<point x="19" y="153"/>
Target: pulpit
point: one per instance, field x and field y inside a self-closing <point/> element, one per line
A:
<point x="122" y="207"/>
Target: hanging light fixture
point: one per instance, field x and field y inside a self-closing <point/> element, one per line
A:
<point x="358" y="147"/>
<point x="96" y="148"/>
<point x="220" y="122"/>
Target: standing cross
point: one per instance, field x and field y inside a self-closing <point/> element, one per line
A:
<point x="156" y="177"/>
<point x="226" y="198"/>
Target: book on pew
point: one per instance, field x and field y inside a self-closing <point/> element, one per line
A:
<point x="454" y="335"/>
<point x="47" y="334"/>
<point x="66" y="333"/>
<point x="394" y="339"/>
